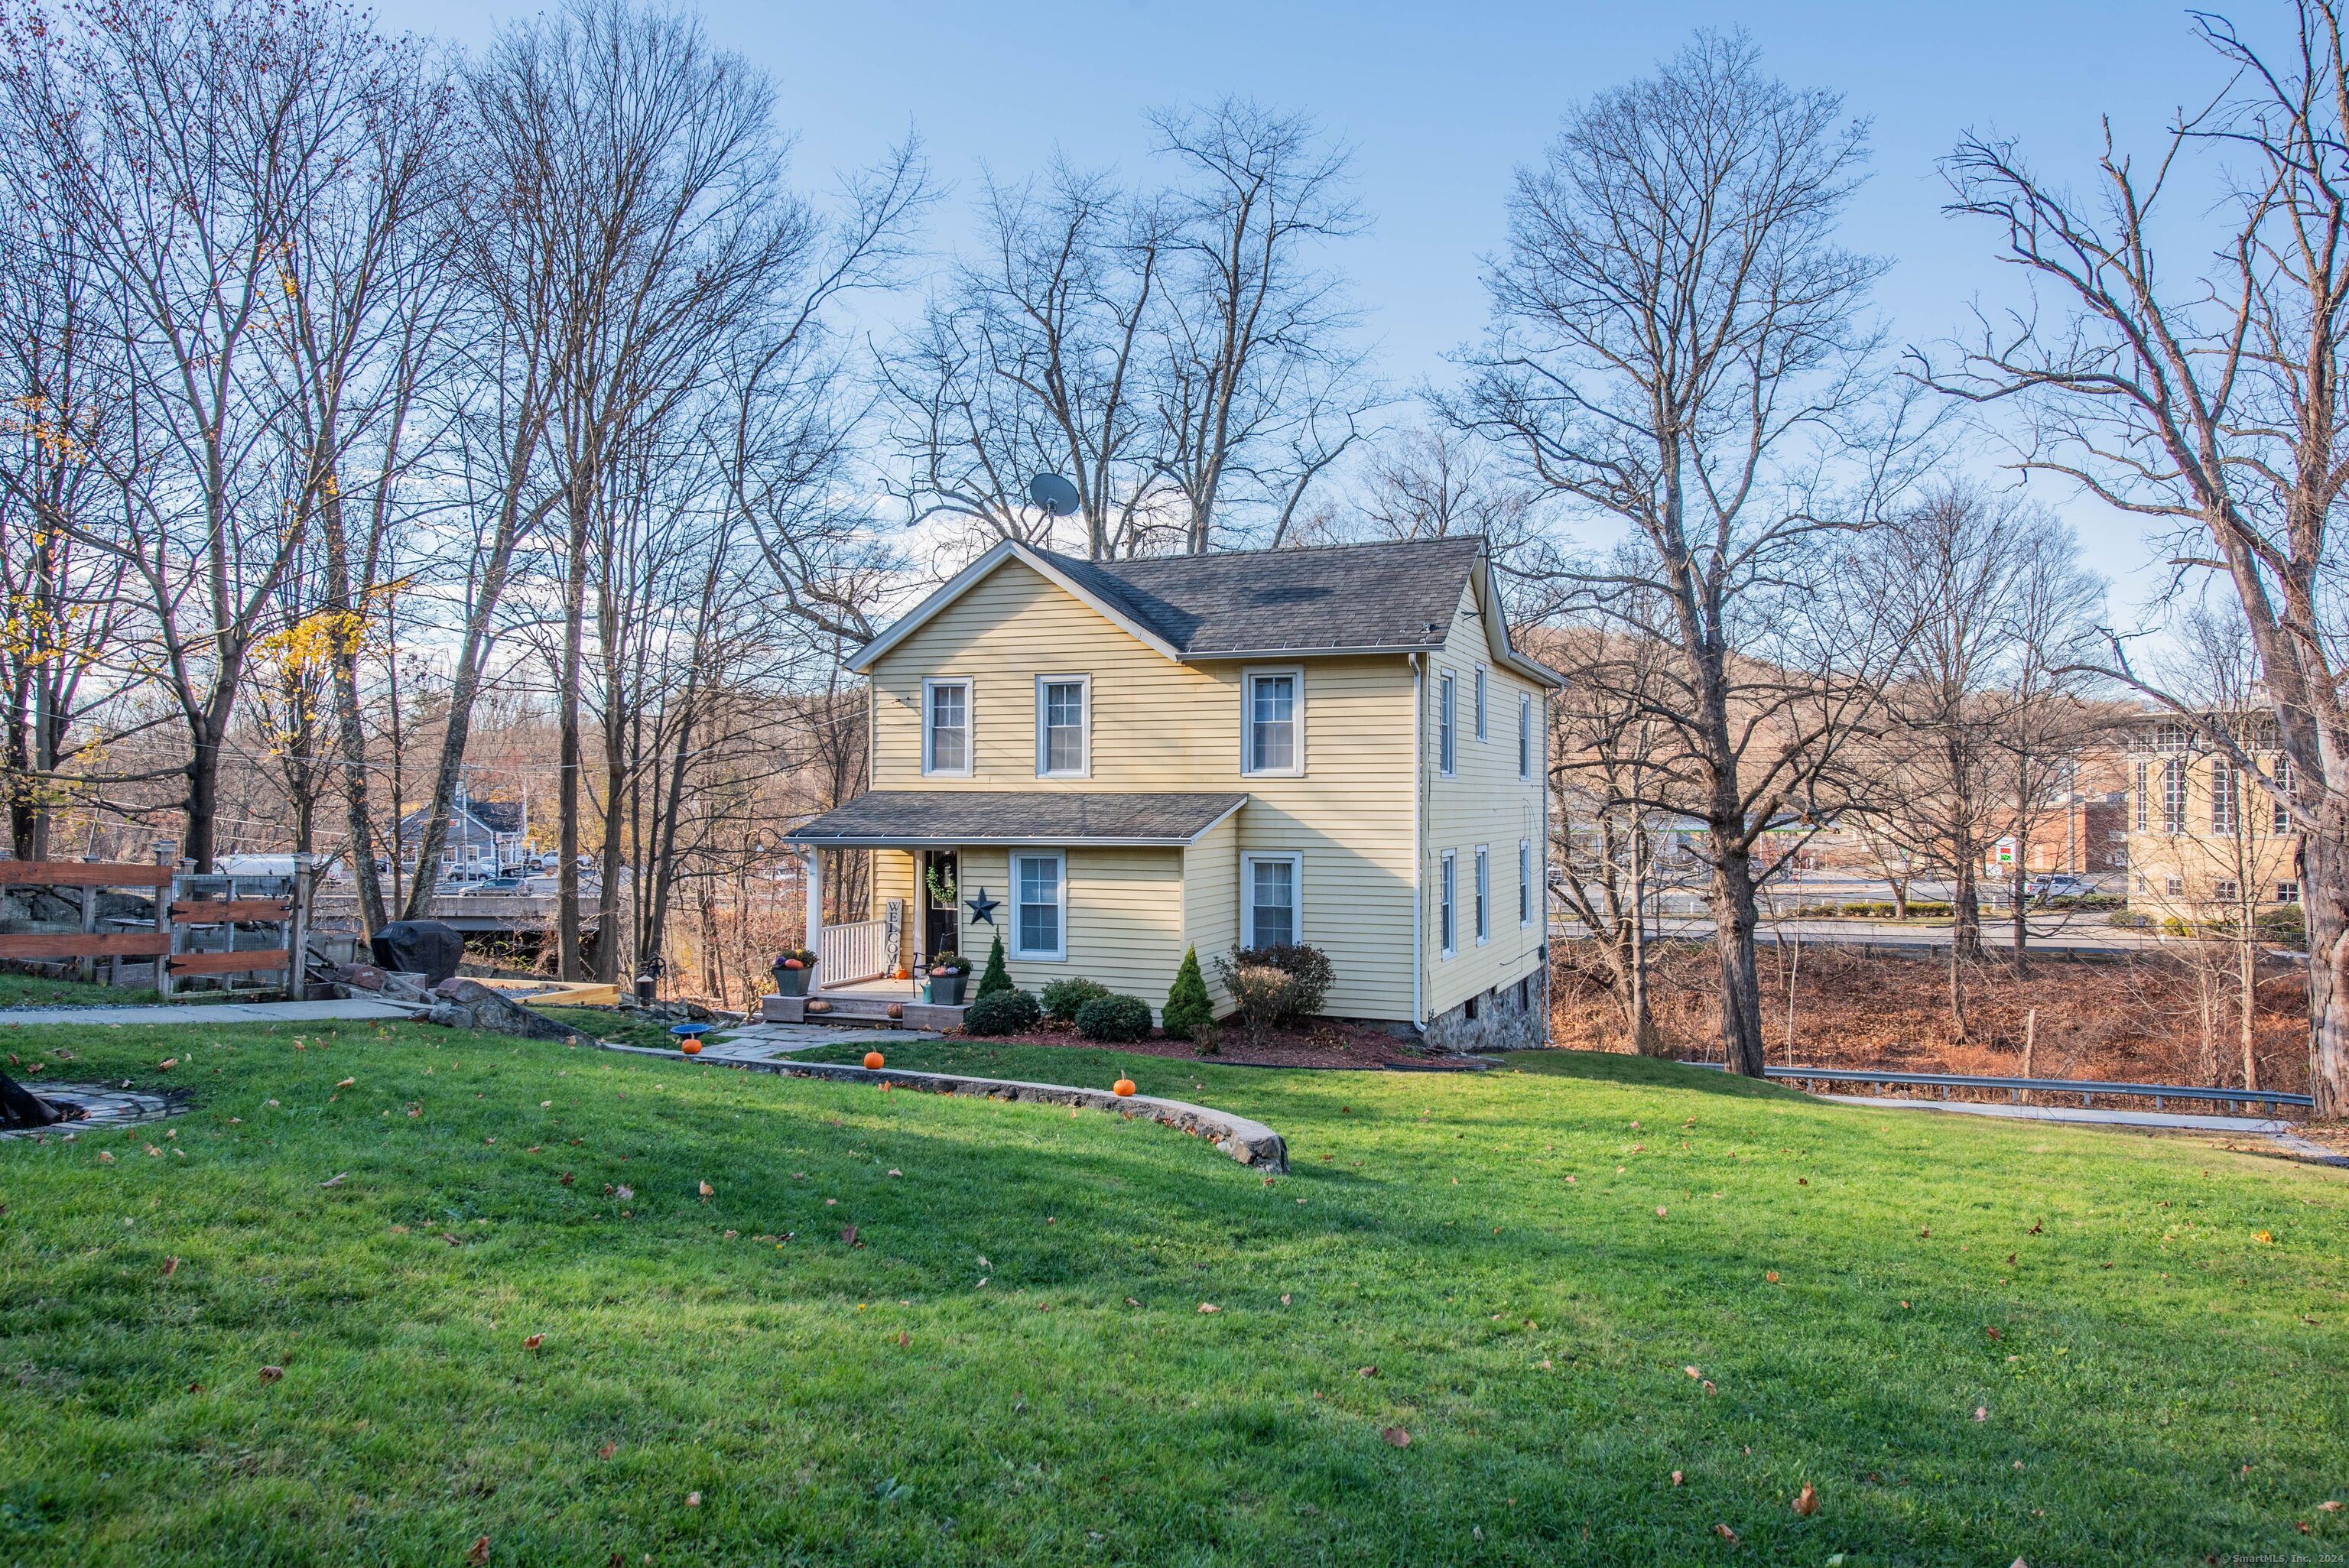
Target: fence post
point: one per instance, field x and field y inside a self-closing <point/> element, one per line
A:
<point x="297" y="933"/>
<point x="85" y="969"/>
<point x="164" y="850"/>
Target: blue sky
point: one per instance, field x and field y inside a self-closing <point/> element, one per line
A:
<point x="1442" y="101"/>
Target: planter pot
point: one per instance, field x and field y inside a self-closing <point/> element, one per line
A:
<point x="945" y="990"/>
<point x="790" y="982"/>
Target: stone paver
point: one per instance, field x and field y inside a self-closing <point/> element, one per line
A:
<point x="2274" y="1129"/>
<point x="776" y="1042"/>
<point x="202" y="1013"/>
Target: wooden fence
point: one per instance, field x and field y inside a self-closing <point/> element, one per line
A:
<point x="195" y="925"/>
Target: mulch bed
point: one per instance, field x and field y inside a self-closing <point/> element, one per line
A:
<point x="1326" y="1043"/>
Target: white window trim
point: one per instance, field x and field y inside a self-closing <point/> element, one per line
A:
<point x="969" y="727"/>
<point x="1447" y="903"/>
<point x="1448" y="724"/>
<point x="1525" y="735"/>
<point x="1483" y="893"/>
<point x="1484" y="684"/>
<point x="1248" y="677"/>
<point x="1013" y="947"/>
<point x="1525" y="882"/>
<point x="1085" y="769"/>
<point x="1247" y="894"/>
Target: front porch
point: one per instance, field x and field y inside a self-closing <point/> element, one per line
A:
<point x="866" y="1002"/>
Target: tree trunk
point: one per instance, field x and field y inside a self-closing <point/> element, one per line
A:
<point x="570" y="964"/>
<point x="1733" y="921"/>
<point x="2324" y="902"/>
<point x="1965" y="907"/>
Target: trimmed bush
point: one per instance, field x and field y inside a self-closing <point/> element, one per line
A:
<point x="1308" y="967"/>
<point x="1264" y="998"/>
<point x="1065" y="999"/>
<point x="1188" y="1014"/>
<point x="1012" y="1012"/>
<point x="1118" y="1021"/>
<point x="997" y="978"/>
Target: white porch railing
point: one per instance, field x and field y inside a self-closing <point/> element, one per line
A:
<point x="864" y="950"/>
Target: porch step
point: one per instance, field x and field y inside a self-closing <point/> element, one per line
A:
<point x="863" y="1012"/>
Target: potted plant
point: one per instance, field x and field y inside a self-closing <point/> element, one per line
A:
<point x="950" y="972"/>
<point x="792" y="967"/>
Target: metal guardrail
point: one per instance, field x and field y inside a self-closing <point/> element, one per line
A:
<point x="2087" y="1089"/>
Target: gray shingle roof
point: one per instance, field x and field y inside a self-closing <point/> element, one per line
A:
<point x="951" y="817"/>
<point x="1384" y="595"/>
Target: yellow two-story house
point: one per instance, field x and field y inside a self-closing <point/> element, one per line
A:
<point x="1106" y="763"/>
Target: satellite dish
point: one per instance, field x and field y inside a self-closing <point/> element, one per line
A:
<point x="1053" y="493"/>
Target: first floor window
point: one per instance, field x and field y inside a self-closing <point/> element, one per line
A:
<point x="1525" y="882"/>
<point x="1040" y="881"/>
<point x="2175" y="887"/>
<point x="2223" y="786"/>
<point x="946" y="727"/>
<point x="2288" y="892"/>
<point x="1446" y="930"/>
<point x="1271" y="883"/>
<point x="1483" y="894"/>
<point x="2224" y="890"/>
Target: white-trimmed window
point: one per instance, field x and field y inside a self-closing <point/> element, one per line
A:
<point x="1481" y="734"/>
<point x="2142" y="804"/>
<point x="1272" y="907"/>
<point x="1525" y="881"/>
<point x="2225" y="790"/>
<point x="2281" y="771"/>
<point x="946" y="728"/>
<point x="2173" y="796"/>
<point x="1447" y="921"/>
<point x="1525" y="735"/>
<point x="1448" y="724"/>
<point x="1039" y="905"/>
<point x="1064" y="712"/>
<point x="1484" y="895"/>
<point x="1272" y="721"/>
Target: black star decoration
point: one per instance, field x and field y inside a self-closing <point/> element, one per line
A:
<point x="982" y="907"/>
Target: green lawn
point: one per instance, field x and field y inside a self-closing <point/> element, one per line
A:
<point x="31" y="991"/>
<point x="2155" y="1391"/>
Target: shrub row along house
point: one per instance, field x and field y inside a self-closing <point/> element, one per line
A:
<point x="1108" y="763"/>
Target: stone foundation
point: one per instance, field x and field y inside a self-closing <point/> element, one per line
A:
<point x="1501" y="1022"/>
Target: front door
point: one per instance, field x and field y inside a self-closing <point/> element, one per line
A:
<point x="941" y="903"/>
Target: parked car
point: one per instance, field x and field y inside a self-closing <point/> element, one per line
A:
<point x="2059" y="884"/>
<point x="492" y="885"/>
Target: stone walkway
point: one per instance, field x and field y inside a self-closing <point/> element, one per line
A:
<point x="202" y="1013"/>
<point x="780" y="1042"/>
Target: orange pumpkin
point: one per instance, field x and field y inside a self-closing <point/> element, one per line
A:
<point x="691" y="1047"/>
<point x="1122" y="1088"/>
<point x="873" y="1061"/>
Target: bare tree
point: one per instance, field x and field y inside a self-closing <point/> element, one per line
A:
<point x="1675" y="353"/>
<point x="2210" y="399"/>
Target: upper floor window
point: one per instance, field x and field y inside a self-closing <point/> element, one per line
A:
<point x="1038" y="921"/>
<point x="1270" y="884"/>
<point x="946" y="727"/>
<point x="1481" y="733"/>
<point x="2224" y="788"/>
<point x="1447" y="750"/>
<point x="1525" y="735"/>
<point x="1525" y="881"/>
<point x="2142" y="804"/>
<point x="2282" y="773"/>
<point x="2173" y="795"/>
<point x="1274" y="738"/>
<point x="1062" y="705"/>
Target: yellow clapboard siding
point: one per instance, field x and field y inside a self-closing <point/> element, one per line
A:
<point x="1123" y="914"/>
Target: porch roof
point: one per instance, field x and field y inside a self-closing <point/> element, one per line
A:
<point x="945" y="818"/>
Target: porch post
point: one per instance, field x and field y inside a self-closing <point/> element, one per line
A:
<point x="812" y="881"/>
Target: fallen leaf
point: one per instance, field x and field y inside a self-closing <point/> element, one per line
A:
<point x="2328" y="1507"/>
<point x="104" y="1158"/>
<point x="1726" y="1534"/>
<point x="271" y="1374"/>
<point x="1368" y="1372"/>
<point x="896" y="1172"/>
<point x="336" y="1179"/>
<point x="1209" y="1306"/>
<point x="607" y="1451"/>
<point x="534" y="1342"/>
<point x="1772" y="1275"/>
<point x="167" y="1064"/>
<point x="707" y="1192"/>
<point x="1692" y="1372"/>
<point x="566" y="1179"/>
<point x="1131" y="1301"/>
<point x="480" y="1553"/>
<point x="1807" y="1502"/>
<point x="848" y="1234"/>
<point x="347" y="1083"/>
<point x="1994" y="1333"/>
<point x="1982" y="1412"/>
<point x="1284" y="1294"/>
<point x="450" y="1240"/>
<point x="1660" y="1210"/>
<point x="693" y="1499"/>
<point x="1676" y="1478"/>
<point x="624" y="1192"/>
<point x="170" y="1267"/>
<point x="1396" y="1436"/>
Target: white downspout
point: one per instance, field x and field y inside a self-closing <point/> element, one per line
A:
<point x="1541" y="761"/>
<point x="1418" y="866"/>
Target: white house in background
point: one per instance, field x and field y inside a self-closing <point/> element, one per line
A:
<point x="1113" y="761"/>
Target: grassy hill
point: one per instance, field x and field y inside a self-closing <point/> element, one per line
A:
<point x="1011" y="1363"/>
